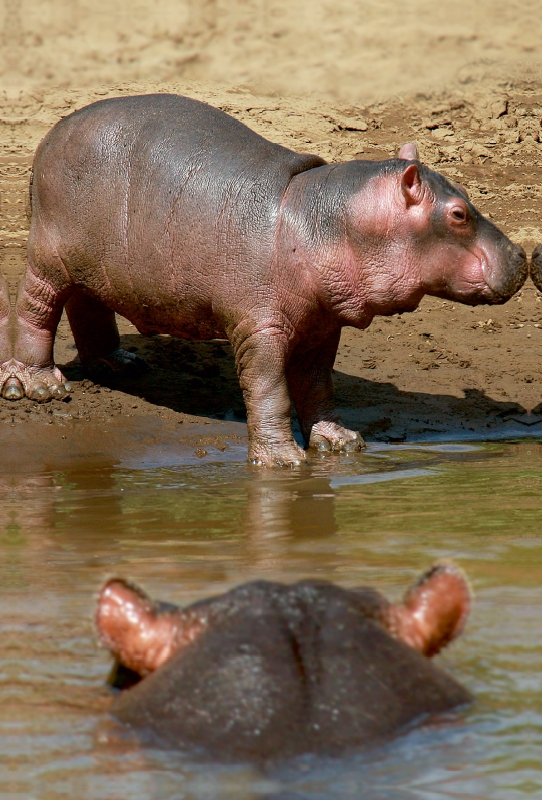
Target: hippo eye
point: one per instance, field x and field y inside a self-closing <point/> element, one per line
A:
<point x="459" y="214"/>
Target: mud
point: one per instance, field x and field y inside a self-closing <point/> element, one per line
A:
<point x="443" y="371"/>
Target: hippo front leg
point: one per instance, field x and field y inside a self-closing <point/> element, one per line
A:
<point x="311" y="385"/>
<point x="260" y="359"/>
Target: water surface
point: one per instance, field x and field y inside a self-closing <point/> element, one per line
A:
<point x="185" y="532"/>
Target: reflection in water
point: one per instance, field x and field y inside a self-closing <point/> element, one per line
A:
<point x="277" y="509"/>
<point x="189" y="532"/>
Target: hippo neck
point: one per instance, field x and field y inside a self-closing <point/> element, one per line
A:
<point x="355" y="276"/>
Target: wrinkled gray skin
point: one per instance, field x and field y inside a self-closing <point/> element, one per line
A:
<point x="181" y="219"/>
<point x="278" y="671"/>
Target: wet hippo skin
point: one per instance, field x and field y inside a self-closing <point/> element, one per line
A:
<point x="269" y="671"/>
<point x="183" y="220"/>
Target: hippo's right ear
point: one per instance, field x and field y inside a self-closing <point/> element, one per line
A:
<point x="411" y="185"/>
<point x="435" y="609"/>
<point x="409" y="152"/>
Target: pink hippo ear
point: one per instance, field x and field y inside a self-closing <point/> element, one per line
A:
<point x="411" y="185"/>
<point x="135" y="630"/>
<point x="462" y="189"/>
<point x="434" y="610"/>
<point x="409" y="152"/>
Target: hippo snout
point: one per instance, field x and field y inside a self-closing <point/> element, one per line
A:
<point x="536" y="267"/>
<point x="511" y="276"/>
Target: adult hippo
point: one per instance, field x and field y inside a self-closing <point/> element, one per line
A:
<point x="270" y="671"/>
<point x="181" y="219"/>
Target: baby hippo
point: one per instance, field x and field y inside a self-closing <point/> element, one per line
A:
<point x="268" y="671"/>
<point x="183" y="220"/>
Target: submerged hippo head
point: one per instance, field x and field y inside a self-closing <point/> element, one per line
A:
<point x="436" y="238"/>
<point x="269" y="670"/>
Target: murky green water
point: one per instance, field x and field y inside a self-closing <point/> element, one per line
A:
<point x="187" y="532"/>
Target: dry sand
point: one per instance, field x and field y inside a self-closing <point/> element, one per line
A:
<point x="343" y="80"/>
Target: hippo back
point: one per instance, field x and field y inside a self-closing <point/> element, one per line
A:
<point x="162" y="161"/>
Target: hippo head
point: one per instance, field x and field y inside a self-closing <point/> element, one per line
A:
<point x="268" y="671"/>
<point x="536" y="267"/>
<point x="461" y="255"/>
<point x="143" y="634"/>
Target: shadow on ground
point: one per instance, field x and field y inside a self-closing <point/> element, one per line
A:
<point x="199" y="378"/>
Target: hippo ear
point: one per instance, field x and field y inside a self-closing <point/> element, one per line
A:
<point x="435" y="610"/>
<point x="411" y="185"/>
<point x="139" y="633"/>
<point x="131" y="627"/>
<point x="409" y="152"/>
<point x="462" y="189"/>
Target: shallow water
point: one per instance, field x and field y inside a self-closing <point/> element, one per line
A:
<point x="185" y="532"/>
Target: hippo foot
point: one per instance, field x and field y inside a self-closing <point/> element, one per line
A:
<point x="333" y="437"/>
<point x="119" y="362"/>
<point x="37" y="383"/>
<point x="265" y="454"/>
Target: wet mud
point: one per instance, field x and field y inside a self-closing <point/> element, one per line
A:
<point x="190" y="531"/>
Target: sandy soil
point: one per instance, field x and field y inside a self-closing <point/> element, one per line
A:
<point x="348" y="80"/>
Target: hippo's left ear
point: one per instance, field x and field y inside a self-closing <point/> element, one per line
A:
<point x="409" y="152"/>
<point x="411" y="185"/>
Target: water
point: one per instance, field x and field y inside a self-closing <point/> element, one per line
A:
<point x="185" y="532"/>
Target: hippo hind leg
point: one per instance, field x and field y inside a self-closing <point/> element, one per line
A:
<point x="97" y="338"/>
<point x="32" y="371"/>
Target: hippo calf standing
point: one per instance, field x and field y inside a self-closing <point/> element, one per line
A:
<point x="181" y="219"/>
<point x="270" y="671"/>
